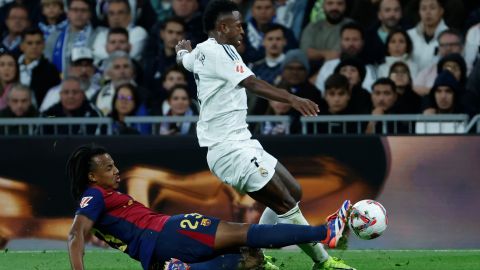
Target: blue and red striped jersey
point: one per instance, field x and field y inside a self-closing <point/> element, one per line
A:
<point x="122" y="222"/>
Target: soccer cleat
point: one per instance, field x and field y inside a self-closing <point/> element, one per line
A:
<point x="336" y="224"/>
<point x="175" y="264"/>
<point x="268" y="263"/>
<point x="335" y="229"/>
<point x="343" y="212"/>
<point x="332" y="263"/>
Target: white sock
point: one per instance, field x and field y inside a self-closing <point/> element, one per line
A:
<point x="316" y="251"/>
<point x="268" y="217"/>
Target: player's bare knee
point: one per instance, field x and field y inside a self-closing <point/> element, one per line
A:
<point x="285" y="205"/>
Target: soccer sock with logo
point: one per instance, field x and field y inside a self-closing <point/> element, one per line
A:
<point x="268" y="217"/>
<point x="316" y="251"/>
<point x="281" y="235"/>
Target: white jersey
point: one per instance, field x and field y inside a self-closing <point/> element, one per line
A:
<point x="218" y="70"/>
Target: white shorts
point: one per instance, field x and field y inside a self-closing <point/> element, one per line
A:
<point x="243" y="165"/>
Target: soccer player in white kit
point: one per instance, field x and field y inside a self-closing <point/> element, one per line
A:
<point x="221" y="77"/>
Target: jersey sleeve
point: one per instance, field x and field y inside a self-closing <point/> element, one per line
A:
<point x="230" y="66"/>
<point x="188" y="60"/>
<point x="91" y="204"/>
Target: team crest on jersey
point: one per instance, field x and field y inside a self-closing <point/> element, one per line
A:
<point x="205" y="222"/>
<point x="84" y="201"/>
<point x="263" y="171"/>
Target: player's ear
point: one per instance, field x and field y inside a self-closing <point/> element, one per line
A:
<point x="91" y="177"/>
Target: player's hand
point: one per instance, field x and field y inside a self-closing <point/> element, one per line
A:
<point x="305" y="106"/>
<point x="183" y="45"/>
<point x="378" y="111"/>
<point x="429" y="111"/>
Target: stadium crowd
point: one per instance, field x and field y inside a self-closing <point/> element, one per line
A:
<point x="116" y="58"/>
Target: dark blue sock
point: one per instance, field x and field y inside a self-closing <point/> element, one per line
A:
<point x="281" y="235"/>
<point x="227" y="261"/>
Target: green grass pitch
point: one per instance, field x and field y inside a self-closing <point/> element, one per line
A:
<point x="361" y="259"/>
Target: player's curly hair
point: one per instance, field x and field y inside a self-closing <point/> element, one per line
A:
<point x="79" y="164"/>
<point x="213" y="10"/>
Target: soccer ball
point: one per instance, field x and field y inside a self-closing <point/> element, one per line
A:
<point x="368" y="219"/>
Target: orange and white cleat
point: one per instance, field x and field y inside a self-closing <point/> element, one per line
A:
<point x="336" y="224"/>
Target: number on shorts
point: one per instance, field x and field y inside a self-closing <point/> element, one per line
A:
<point x="187" y="223"/>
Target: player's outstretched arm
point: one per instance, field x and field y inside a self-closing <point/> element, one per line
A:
<point x="261" y="88"/>
<point x="76" y="240"/>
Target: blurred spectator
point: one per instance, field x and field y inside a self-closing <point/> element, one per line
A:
<point x="141" y="11"/>
<point x="127" y="102"/>
<point x="291" y="13"/>
<point x="82" y="68"/>
<point x="19" y="101"/>
<point x="277" y="128"/>
<point x="78" y="33"/>
<point x="117" y="40"/>
<point x="408" y="101"/>
<point x="389" y="16"/>
<point x="455" y="13"/>
<point x="424" y="36"/>
<point x="157" y="101"/>
<point x="352" y="44"/>
<point x="8" y="76"/>
<point x="338" y="95"/>
<point x="119" y="16"/>
<point x="180" y="104"/>
<point x="338" y="102"/>
<point x="160" y="53"/>
<point x="449" y="41"/>
<point x="384" y="99"/>
<point x="53" y="17"/>
<point x="321" y="40"/>
<point x="399" y="48"/>
<point x="455" y="63"/>
<point x="73" y="103"/>
<point x="33" y="11"/>
<point x="472" y="46"/>
<point x="188" y="11"/>
<point x="472" y="95"/>
<point x="162" y="8"/>
<point x="446" y="99"/>
<point x="263" y="13"/>
<point x="36" y="71"/>
<point x="295" y="70"/>
<point x="354" y="70"/>
<point x="446" y="94"/>
<point x="17" y="21"/>
<point x="274" y="42"/>
<point x="119" y="68"/>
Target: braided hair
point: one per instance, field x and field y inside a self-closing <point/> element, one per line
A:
<point x="79" y="164"/>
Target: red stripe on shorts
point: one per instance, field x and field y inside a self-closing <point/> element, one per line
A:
<point x="205" y="239"/>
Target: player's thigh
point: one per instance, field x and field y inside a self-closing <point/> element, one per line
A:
<point x="289" y="181"/>
<point x="189" y="238"/>
<point x="275" y="195"/>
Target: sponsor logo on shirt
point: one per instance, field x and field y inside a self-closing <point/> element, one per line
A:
<point x="239" y="68"/>
<point x="84" y="201"/>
